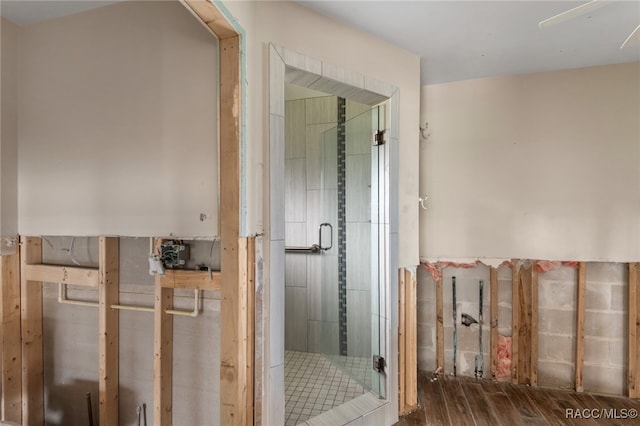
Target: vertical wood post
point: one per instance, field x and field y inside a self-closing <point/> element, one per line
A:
<point x="533" y="326"/>
<point x="633" y="375"/>
<point x="31" y="331"/>
<point x="162" y="354"/>
<point x="251" y="320"/>
<point x="11" y="351"/>
<point x="411" y="327"/>
<point x="580" y="308"/>
<point x="108" y="294"/>
<point x="515" y="319"/>
<point x="493" y="313"/>
<point x="401" y="342"/>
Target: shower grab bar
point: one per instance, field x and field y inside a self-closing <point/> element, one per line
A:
<point x="314" y="248"/>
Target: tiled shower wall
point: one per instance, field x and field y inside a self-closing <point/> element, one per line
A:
<point x="605" y="323"/>
<point x="311" y="198"/>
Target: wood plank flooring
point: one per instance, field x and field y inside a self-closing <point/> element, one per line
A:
<point x="447" y="400"/>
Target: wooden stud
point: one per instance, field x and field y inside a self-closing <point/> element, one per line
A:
<point x="580" y="310"/>
<point x="411" y="326"/>
<point x="251" y="320"/>
<point x="401" y="343"/>
<point x="11" y="384"/>
<point x="63" y="274"/>
<point x="162" y="353"/>
<point x="633" y="375"/>
<point x="524" y="341"/>
<point x="515" y="318"/>
<point x="193" y="280"/>
<point x="533" y="326"/>
<point x="493" y="325"/>
<point x="439" y="326"/>
<point x="233" y="286"/>
<point x="108" y="294"/>
<point x="212" y="18"/>
<point x="31" y="331"/>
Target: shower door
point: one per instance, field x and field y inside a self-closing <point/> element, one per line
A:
<point x="352" y="201"/>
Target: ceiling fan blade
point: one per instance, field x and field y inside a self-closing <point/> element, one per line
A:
<point x="572" y="13"/>
<point x="633" y="38"/>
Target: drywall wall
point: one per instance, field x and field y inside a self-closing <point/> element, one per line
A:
<point x="299" y="29"/>
<point x="9" y="138"/>
<point x="118" y="129"/>
<point x="539" y="166"/>
<point x="70" y="340"/>
<point x="606" y="314"/>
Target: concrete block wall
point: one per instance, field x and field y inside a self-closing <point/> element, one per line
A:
<point x="71" y="340"/>
<point x="606" y="328"/>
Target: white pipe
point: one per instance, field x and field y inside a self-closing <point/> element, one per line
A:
<point x="196" y="307"/>
<point x="133" y="308"/>
<point x="62" y="293"/>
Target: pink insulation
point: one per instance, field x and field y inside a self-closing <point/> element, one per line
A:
<point x="503" y="369"/>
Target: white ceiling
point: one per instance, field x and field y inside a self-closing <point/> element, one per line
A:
<point x="460" y="40"/>
<point x="457" y="40"/>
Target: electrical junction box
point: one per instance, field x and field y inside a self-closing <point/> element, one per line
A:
<point x="174" y="254"/>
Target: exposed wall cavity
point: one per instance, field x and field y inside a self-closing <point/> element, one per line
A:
<point x="71" y="339"/>
<point x="606" y="331"/>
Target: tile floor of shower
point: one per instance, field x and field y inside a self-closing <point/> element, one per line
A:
<point x="313" y="384"/>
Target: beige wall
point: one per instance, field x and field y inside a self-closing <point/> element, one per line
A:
<point x="540" y="165"/>
<point x="118" y="130"/>
<point x="299" y="29"/>
<point x="9" y="126"/>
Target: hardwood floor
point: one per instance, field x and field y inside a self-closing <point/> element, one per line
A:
<point x="447" y="400"/>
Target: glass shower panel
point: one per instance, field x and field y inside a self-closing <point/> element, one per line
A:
<point x="351" y="268"/>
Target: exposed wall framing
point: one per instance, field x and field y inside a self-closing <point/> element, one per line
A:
<point x="407" y="341"/>
<point x="524" y="361"/>
<point x="581" y="299"/>
<point x="493" y="314"/>
<point x="633" y="377"/>
<point x="11" y="385"/>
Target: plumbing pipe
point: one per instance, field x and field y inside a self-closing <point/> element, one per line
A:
<point x="196" y="307"/>
<point x="133" y="308"/>
<point x="480" y="357"/>
<point x="455" y="329"/>
<point x="62" y="297"/>
<point x="89" y="409"/>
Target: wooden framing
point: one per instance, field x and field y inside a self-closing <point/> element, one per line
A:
<point x="11" y="385"/>
<point x="408" y="335"/>
<point x="401" y="344"/>
<point x="439" y="326"/>
<point x="580" y="309"/>
<point x="493" y="314"/>
<point x="63" y="274"/>
<point x="193" y="280"/>
<point x="31" y="322"/>
<point x="251" y="321"/>
<point x="108" y="330"/>
<point x="633" y="375"/>
<point x="162" y="355"/>
<point x="524" y="362"/>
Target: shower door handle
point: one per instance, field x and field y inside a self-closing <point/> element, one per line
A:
<point x="325" y="225"/>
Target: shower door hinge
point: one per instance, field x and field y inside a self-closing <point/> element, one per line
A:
<point x="378" y="138"/>
<point x="379" y="363"/>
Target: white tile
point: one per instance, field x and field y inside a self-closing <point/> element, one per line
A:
<point x="302" y="62"/>
<point x="394" y="115"/>
<point x="300" y="77"/>
<point x="351" y="78"/>
<point x="295" y="319"/>
<point x="276" y="303"/>
<point x="358" y="188"/>
<point x="276" y="83"/>
<point x="394" y="167"/>
<point x="319" y="139"/>
<point x="277" y="177"/>
<point x="379" y="87"/>
<point x="322" y="207"/>
<point x="295" y="270"/>
<point x="355" y="109"/>
<point x="295" y="195"/>
<point x="329" y="291"/>
<point x="276" y="391"/>
<point x="367" y="97"/>
<point x="359" y="261"/>
<point x="359" y="323"/>
<point x="295" y="129"/>
<point x="359" y="132"/>
<point x="314" y="286"/>
<point x="296" y="234"/>
<point x="321" y="110"/>
<point x="334" y="87"/>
